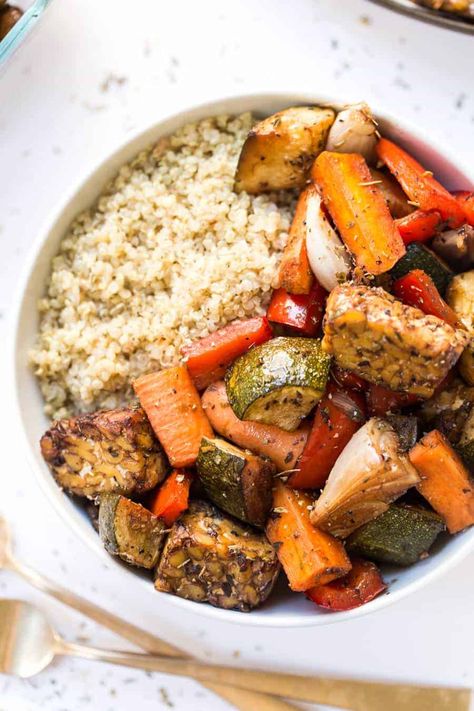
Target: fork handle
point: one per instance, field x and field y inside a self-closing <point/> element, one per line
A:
<point x="348" y="694"/>
<point x="239" y="698"/>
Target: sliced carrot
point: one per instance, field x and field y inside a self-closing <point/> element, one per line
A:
<point x="359" y="210"/>
<point x="419" y="226"/>
<point x="419" y="184"/>
<point x="466" y="200"/>
<point x="309" y="556"/>
<point x="295" y="275"/>
<point x="172" y="404"/>
<point x="282" y="447"/>
<point x="445" y="481"/>
<point x="418" y="289"/>
<point x="172" y="497"/>
<point x="208" y="358"/>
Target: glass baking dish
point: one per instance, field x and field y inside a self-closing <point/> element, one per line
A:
<point x="31" y="14"/>
<point x="435" y="17"/>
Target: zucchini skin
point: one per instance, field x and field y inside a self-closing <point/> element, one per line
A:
<point x="400" y="536"/>
<point x="420" y="257"/>
<point x="279" y="382"/>
<point x="129" y="531"/>
<point x="236" y="480"/>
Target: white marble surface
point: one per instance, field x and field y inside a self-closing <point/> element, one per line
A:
<point x="94" y="72"/>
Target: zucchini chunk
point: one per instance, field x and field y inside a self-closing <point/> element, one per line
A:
<point x="279" y="382"/>
<point x="210" y="557"/>
<point x="400" y="536"/>
<point x="367" y="477"/>
<point x="236" y="480"/>
<point x="460" y="296"/>
<point x="107" y="451"/>
<point x="130" y="531"/>
<point x="420" y="257"/>
<point x="466" y="441"/>
<point x="279" y="151"/>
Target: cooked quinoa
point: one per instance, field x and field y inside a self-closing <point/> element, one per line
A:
<point x="169" y="253"/>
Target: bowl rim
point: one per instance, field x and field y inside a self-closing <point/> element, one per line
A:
<point x="258" y="618"/>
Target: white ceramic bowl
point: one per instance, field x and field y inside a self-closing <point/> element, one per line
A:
<point x="283" y="608"/>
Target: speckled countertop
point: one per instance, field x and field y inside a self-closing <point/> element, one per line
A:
<point x="91" y="74"/>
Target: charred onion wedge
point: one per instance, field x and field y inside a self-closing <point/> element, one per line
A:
<point x="210" y="557"/>
<point x="354" y="131"/>
<point x="279" y="151"/>
<point x="368" y="476"/>
<point x="108" y="451"/>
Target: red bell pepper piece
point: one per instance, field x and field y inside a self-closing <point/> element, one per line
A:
<point x="466" y="200"/>
<point x="419" y="226"/>
<point x="419" y="184"/>
<point x="348" y="380"/>
<point x="339" y="415"/>
<point x="172" y="497"/>
<point x="208" y="358"/>
<point x="303" y="312"/>
<point x="418" y="289"/>
<point x="382" y="401"/>
<point x="360" y="585"/>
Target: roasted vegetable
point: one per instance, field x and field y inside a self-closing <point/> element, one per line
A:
<point x="359" y="210"/>
<point x="419" y="183"/>
<point x="371" y="333"/>
<point x="208" y="358"/>
<point x="466" y="441"/>
<point x="367" y="477"/>
<point x="456" y="247"/>
<point x="328" y="258"/>
<point x="210" y="557"/>
<point x="406" y="427"/>
<point x="108" y="451"/>
<point x="236" y="480"/>
<point x="400" y="536"/>
<point x="445" y="481"/>
<point x="279" y="151"/>
<point x="448" y="410"/>
<point x="9" y="16"/>
<point x="294" y="274"/>
<point x="130" y="531"/>
<point x="349" y="380"/>
<point x="172" y="498"/>
<point x="283" y="448"/>
<point x="420" y="257"/>
<point x="279" y="382"/>
<point x="339" y="415"/>
<point x="419" y="226"/>
<point x="309" y="557"/>
<point x="361" y="584"/>
<point x="354" y="131"/>
<point x="302" y="313"/>
<point x="172" y="403"/>
<point x="394" y="196"/>
<point x="382" y="401"/>
<point x="418" y="289"/>
<point x="460" y="296"/>
<point x="466" y="199"/>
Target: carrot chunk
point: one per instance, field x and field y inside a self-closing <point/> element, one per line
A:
<point x="419" y="184"/>
<point x="295" y="275"/>
<point x="172" y="497"/>
<point x="359" y="210"/>
<point x="445" y="481"/>
<point x="208" y="358"/>
<point x="309" y="556"/>
<point x="173" y="406"/>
